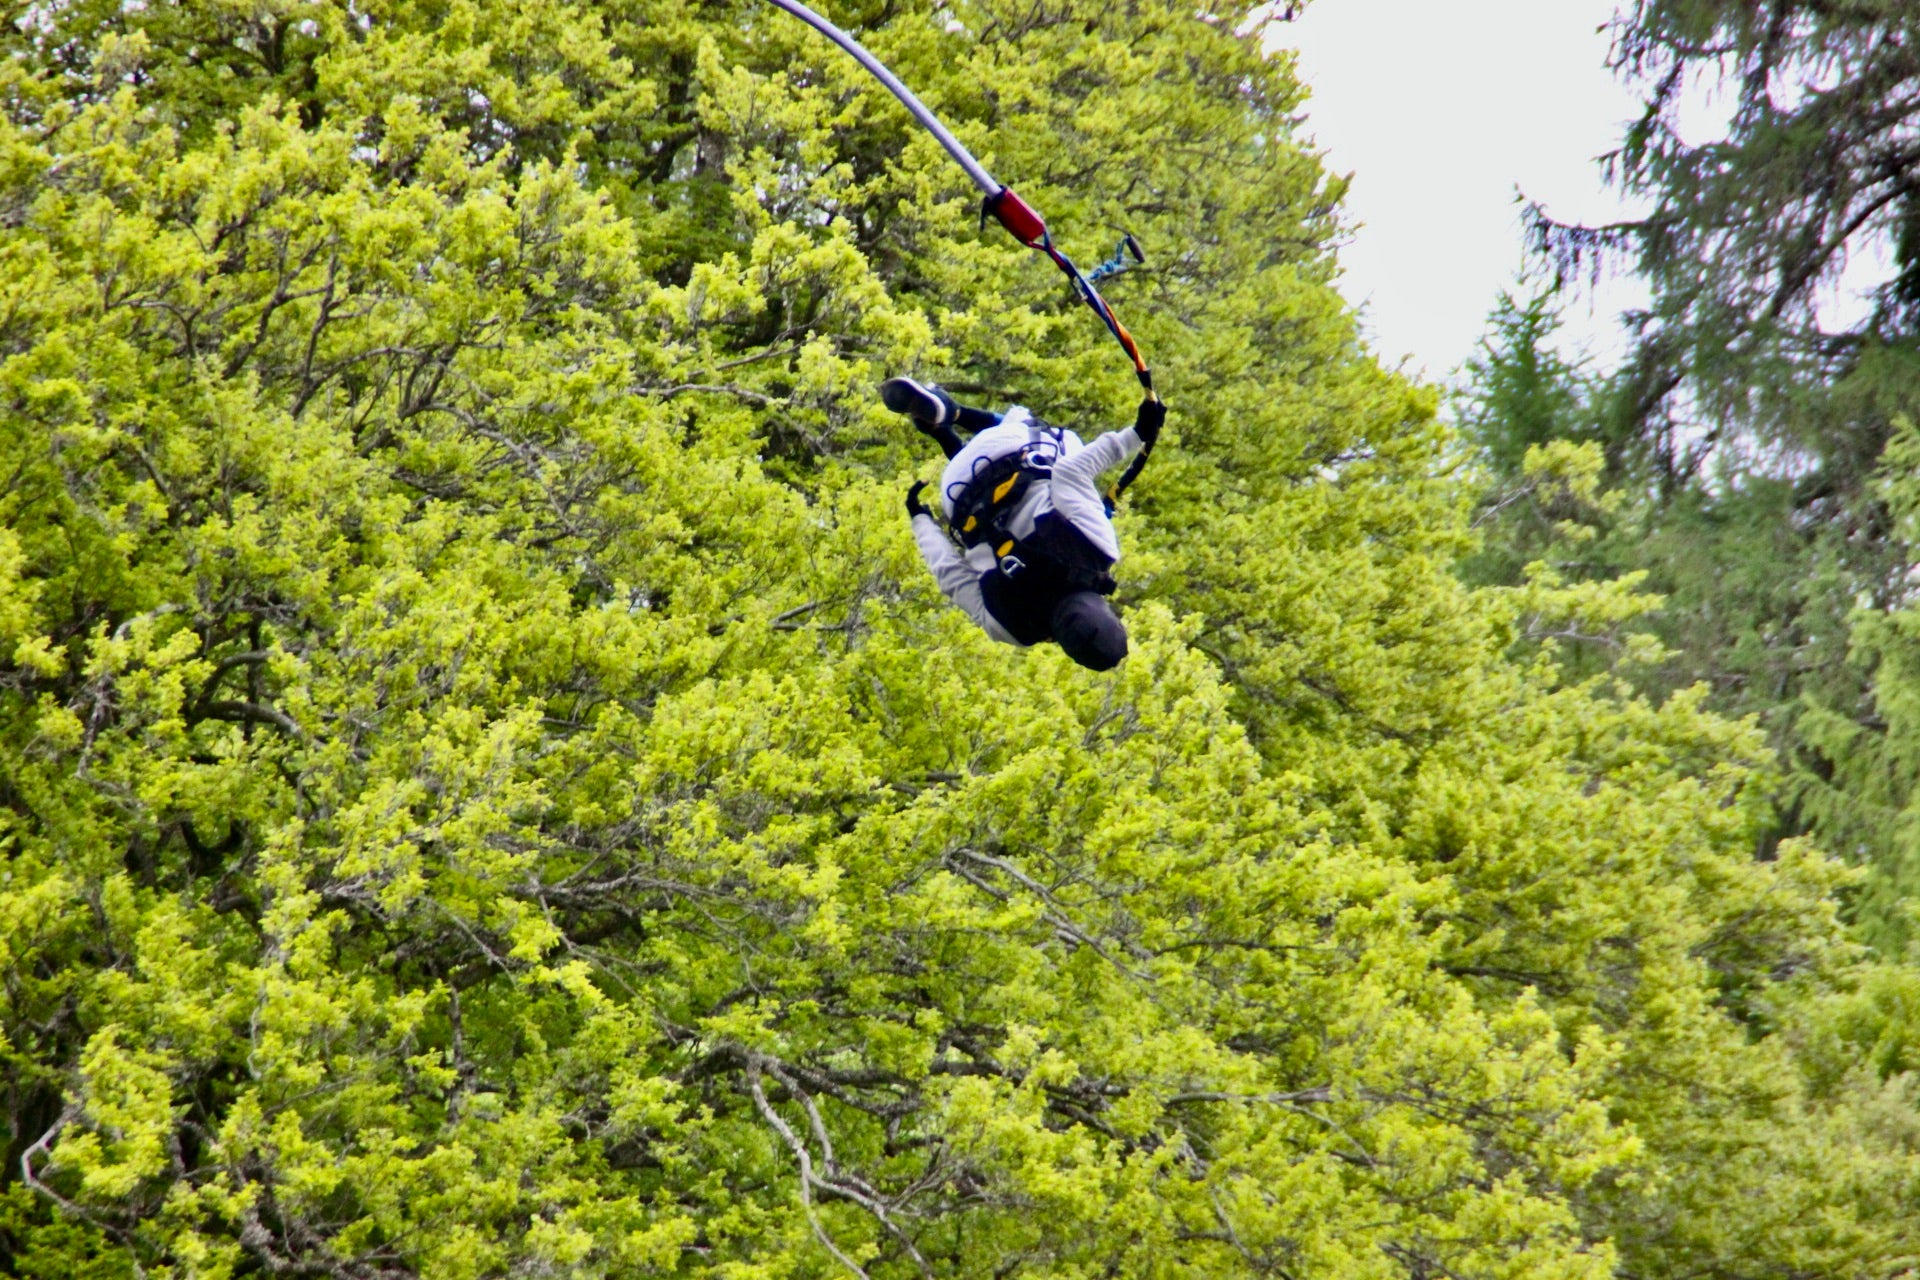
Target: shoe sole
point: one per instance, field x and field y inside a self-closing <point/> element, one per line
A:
<point x="905" y="396"/>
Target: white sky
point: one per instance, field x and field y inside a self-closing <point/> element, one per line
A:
<point x="1441" y="110"/>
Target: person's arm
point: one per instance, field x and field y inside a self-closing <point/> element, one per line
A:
<point x="1113" y="448"/>
<point x="1075" y="493"/>
<point x="1074" y="488"/>
<point x="958" y="581"/>
<point x="1103" y="454"/>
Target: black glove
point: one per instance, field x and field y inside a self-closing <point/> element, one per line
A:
<point x="915" y="507"/>
<point x="1148" y="421"/>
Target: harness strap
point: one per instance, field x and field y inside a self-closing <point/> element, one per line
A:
<point x="986" y="499"/>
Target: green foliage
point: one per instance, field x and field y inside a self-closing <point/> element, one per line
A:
<point x="487" y="790"/>
<point x="1521" y="392"/>
<point x="1772" y="591"/>
<point x="1753" y="214"/>
<point x="1867" y="798"/>
<point x="1753" y="413"/>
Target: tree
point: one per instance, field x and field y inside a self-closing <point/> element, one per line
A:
<point x="1814" y="166"/>
<point x="1570" y="490"/>
<point x="1527" y="412"/>
<point x="1867" y="797"/>
<point x="486" y="789"/>
<point x="1754" y="411"/>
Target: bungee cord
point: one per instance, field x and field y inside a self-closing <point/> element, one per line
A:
<point x="1000" y="202"/>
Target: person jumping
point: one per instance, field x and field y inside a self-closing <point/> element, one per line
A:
<point x="1037" y="546"/>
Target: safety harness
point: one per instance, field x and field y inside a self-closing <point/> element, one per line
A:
<point x="983" y="510"/>
<point x="1037" y="569"/>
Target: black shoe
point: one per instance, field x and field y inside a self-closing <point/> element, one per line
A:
<point x="926" y="404"/>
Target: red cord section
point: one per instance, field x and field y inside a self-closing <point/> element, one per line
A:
<point x="1026" y="225"/>
<point x="1019" y="218"/>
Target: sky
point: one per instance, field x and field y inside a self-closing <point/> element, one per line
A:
<point x="1443" y="112"/>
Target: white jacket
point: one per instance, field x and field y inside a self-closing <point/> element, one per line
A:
<point x="1070" y="494"/>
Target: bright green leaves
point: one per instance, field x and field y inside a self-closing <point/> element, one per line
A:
<point x="127" y="1099"/>
<point x="488" y="787"/>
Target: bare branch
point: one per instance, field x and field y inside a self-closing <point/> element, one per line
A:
<point x="805" y="1160"/>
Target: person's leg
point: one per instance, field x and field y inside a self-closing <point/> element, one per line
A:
<point x="972" y="420"/>
<point x="950" y="444"/>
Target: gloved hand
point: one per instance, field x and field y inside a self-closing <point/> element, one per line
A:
<point x="1148" y="421"/>
<point x="915" y="507"/>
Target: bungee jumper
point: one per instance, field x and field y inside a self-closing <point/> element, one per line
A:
<point x="1036" y="545"/>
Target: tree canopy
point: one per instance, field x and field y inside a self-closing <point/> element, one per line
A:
<point x="1747" y="436"/>
<point x="486" y="789"/>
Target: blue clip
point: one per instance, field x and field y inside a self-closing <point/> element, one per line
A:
<point x="1128" y="248"/>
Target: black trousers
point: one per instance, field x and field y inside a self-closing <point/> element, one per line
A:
<point x="967" y="419"/>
